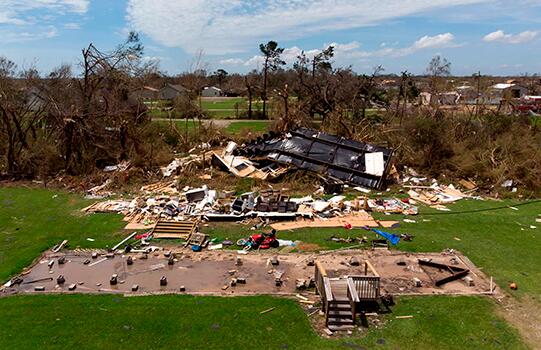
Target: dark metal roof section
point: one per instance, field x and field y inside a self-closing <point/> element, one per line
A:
<point x="332" y="156"/>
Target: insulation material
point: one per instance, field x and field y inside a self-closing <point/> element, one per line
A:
<point x="375" y="165"/>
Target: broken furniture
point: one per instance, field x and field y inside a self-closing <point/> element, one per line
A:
<point x="197" y="240"/>
<point x="174" y="229"/>
<point x="343" y="297"/>
<point x="242" y="166"/>
<point x="450" y="272"/>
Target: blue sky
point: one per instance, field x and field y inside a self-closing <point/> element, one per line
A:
<point x="493" y="36"/>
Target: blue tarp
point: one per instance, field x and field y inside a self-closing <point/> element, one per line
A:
<point x="394" y="239"/>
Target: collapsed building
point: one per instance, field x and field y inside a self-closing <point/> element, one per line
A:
<point x="337" y="159"/>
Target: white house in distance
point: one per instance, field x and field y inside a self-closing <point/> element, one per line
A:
<point x="505" y="91"/>
<point x="212" y="91"/>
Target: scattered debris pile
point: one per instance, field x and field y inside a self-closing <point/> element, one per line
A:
<point x="336" y="158"/>
<point x="265" y="205"/>
<point x="433" y="194"/>
<point x="243" y="167"/>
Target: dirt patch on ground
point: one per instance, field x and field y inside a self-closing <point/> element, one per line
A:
<point x="308" y="247"/>
<point x="209" y="272"/>
<point x="525" y="315"/>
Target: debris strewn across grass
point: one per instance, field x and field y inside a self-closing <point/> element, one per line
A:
<point x="187" y="322"/>
<point x="33" y="220"/>
<point x="500" y="237"/>
<point x="500" y="241"/>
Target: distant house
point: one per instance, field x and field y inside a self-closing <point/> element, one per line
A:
<point x="212" y="91"/>
<point x="146" y="93"/>
<point x="443" y="99"/>
<point x="389" y="84"/>
<point x="36" y="98"/>
<point x="468" y="94"/>
<point x="171" y="91"/>
<point x="505" y="92"/>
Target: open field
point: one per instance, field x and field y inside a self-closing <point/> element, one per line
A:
<point x="186" y="322"/>
<point x="231" y="126"/>
<point x="33" y="220"/>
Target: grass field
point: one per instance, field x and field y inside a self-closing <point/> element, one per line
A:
<point x="492" y="239"/>
<point x="32" y="221"/>
<point x="231" y="107"/>
<point x="234" y="127"/>
<point x="259" y="126"/>
<point x="186" y="322"/>
<point x="495" y="237"/>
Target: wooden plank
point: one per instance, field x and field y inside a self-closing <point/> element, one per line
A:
<point x="174" y="229"/>
<point x="353" y="290"/>
<point x="355" y="221"/>
<point x="371" y="267"/>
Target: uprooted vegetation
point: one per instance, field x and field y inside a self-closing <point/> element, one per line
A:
<point x="76" y="125"/>
<point x="489" y="149"/>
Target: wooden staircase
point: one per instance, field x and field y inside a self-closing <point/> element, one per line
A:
<point x="342" y="296"/>
<point x="340" y="314"/>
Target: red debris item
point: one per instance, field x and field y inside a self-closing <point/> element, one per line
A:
<point x="143" y="235"/>
<point x="405" y="200"/>
<point x="348" y="226"/>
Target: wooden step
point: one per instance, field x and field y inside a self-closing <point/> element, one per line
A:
<point x="335" y="328"/>
<point x="339" y="321"/>
<point x="340" y="313"/>
<point x="340" y="306"/>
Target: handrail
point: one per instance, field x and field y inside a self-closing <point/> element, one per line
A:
<point x="352" y="291"/>
<point x="321" y="269"/>
<point x="328" y="291"/>
<point x="367" y="287"/>
<point x="367" y="265"/>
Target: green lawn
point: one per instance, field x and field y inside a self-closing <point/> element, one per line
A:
<point x="233" y="107"/>
<point x="499" y="241"/>
<point x="33" y="220"/>
<point x="226" y="103"/>
<point x="187" y="322"/>
<point x="259" y="126"/>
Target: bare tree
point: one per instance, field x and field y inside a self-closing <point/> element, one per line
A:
<point x="94" y="113"/>
<point x="271" y="55"/>
<point x="438" y="68"/>
<point x="20" y="113"/>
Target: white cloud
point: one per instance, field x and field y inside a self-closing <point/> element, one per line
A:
<point x="7" y="36"/>
<point x="351" y="51"/>
<point x="72" y="26"/>
<point x="445" y="40"/>
<point x="354" y="45"/>
<point x="436" y="41"/>
<point x="233" y="26"/>
<point x="20" y="12"/>
<point x="231" y="62"/>
<point x="254" y="62"/>
<point x="501" y="36"/>
<point x="37" y="19"/>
